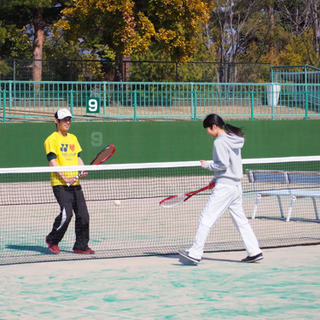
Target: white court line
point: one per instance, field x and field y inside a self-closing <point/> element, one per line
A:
<point x="73" y="307"/>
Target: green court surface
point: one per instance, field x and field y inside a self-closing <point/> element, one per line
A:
<point x="285" y="285"/>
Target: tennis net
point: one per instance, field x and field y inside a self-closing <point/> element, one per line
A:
<point x="126" y="219"/>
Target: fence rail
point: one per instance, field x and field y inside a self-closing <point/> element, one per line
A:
<point x="134" y="101"/>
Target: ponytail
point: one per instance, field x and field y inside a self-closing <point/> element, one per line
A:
<point x="234" y="130"/>
<point x="214" y="119"/>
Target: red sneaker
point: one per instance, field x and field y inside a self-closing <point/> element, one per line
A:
<point x="53" y="247"/>
<point x="88" y="251"/>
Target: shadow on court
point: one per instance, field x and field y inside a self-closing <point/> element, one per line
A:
<point x="184" y="261"/>
<point x="39" y="249"/>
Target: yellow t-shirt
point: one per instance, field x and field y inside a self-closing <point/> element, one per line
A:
<point x="66" y="149"/>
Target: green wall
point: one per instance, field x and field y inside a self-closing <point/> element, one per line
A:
<point x="22" y="143"/>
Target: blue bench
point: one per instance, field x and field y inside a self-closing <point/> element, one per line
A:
<point x="293" y="184"/>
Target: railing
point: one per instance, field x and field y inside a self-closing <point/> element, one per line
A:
<point x="303" y="74"/>
<point x="134" y="101"/>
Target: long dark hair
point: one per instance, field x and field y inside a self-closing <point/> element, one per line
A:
<point x="214" y="119"/>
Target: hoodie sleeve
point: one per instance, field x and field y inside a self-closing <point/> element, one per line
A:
<point x="220" y="157"/>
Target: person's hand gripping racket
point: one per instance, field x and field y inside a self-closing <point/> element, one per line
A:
<point x="177" y="200"/>
<point x="100" y="158"/>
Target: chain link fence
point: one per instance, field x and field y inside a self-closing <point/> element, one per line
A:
<point x="135" y="71"/>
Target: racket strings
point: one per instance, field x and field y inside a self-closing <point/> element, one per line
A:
<point x="104" y="155"/>
<point x="174" y="201"/>
<point x="101" y="157"/>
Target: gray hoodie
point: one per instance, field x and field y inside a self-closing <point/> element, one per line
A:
<point x="227" y="162"/>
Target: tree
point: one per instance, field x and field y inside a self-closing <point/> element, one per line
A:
<point x="233" y="27"/>
<point x="155" y="65"/>
<point x="302" y="18"/>
<point x="30" y="17"/>
<point x="118" y="29"/>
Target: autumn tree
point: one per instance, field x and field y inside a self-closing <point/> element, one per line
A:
<point x="119" y="29"/>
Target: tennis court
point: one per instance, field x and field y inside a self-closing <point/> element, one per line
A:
<point x="285" y="285"/>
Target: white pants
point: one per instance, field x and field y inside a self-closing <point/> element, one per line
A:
<point x="224" y="197"/>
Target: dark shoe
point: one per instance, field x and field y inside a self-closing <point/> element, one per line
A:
<point x="88" y="251"/>
<point x="186" y="255"/>
<point x="253" y="259"/>
<point x="53" y="247"/>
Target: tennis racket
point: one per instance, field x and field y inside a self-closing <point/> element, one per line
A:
<point x="100" y="158"/>
<point x="179" y="199"/>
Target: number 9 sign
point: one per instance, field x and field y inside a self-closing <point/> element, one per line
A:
<point x="93" y="105"/>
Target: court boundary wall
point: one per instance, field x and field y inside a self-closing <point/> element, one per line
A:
<point x="157" y="141"/>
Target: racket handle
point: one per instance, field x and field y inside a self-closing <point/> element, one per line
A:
<point x="211" y="185"/>
<point x="77" y="177"/>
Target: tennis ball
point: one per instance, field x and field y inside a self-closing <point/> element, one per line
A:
<point x="117" y="202"/>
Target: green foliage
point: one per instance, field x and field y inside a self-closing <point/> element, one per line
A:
<point x="15" y="43"/>
<point x="16" y="24"/>
<point x="4" y="69"/>
<point x="162" y="70"/>
<point x="300" y="51"/>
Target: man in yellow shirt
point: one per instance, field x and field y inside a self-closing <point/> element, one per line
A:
<point x="63" y="149"/>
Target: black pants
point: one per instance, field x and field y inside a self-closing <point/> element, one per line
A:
<point x="70" y="199"/>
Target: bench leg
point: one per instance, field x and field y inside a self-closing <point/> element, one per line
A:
<point x="315" y="208"/>
<point x="255" y="208"/>
<point x="293" y="199"/>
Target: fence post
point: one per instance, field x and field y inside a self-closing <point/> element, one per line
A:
<point x="104" y="99"/>
<point x="252" y="104"/>
<point x="191" y="101"/>
<point x="134" y="105"/>
<point x="71" y="101"/>
<point x="195" y="105"/>
<point x="272" y="102"/>
<point x="4" y="97"/>
<point x="10" y="95"/>
<point x="306" y="104"/>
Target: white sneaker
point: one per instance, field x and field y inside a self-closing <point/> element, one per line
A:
<point x="186" y="255"/>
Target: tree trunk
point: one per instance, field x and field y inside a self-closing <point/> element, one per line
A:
<point x="271" y="41"/>
<point x="316" y="26"/>
<point x="39" y="24"/>
<point x="118" y="76"/>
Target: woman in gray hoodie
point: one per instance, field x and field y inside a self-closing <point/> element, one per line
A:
<point x="227" y="194"/>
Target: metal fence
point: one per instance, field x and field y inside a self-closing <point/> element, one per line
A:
<point x="134" y="101"/>
<point x="295" y="74"/>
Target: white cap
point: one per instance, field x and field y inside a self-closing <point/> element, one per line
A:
<point x="63" y="113"/>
